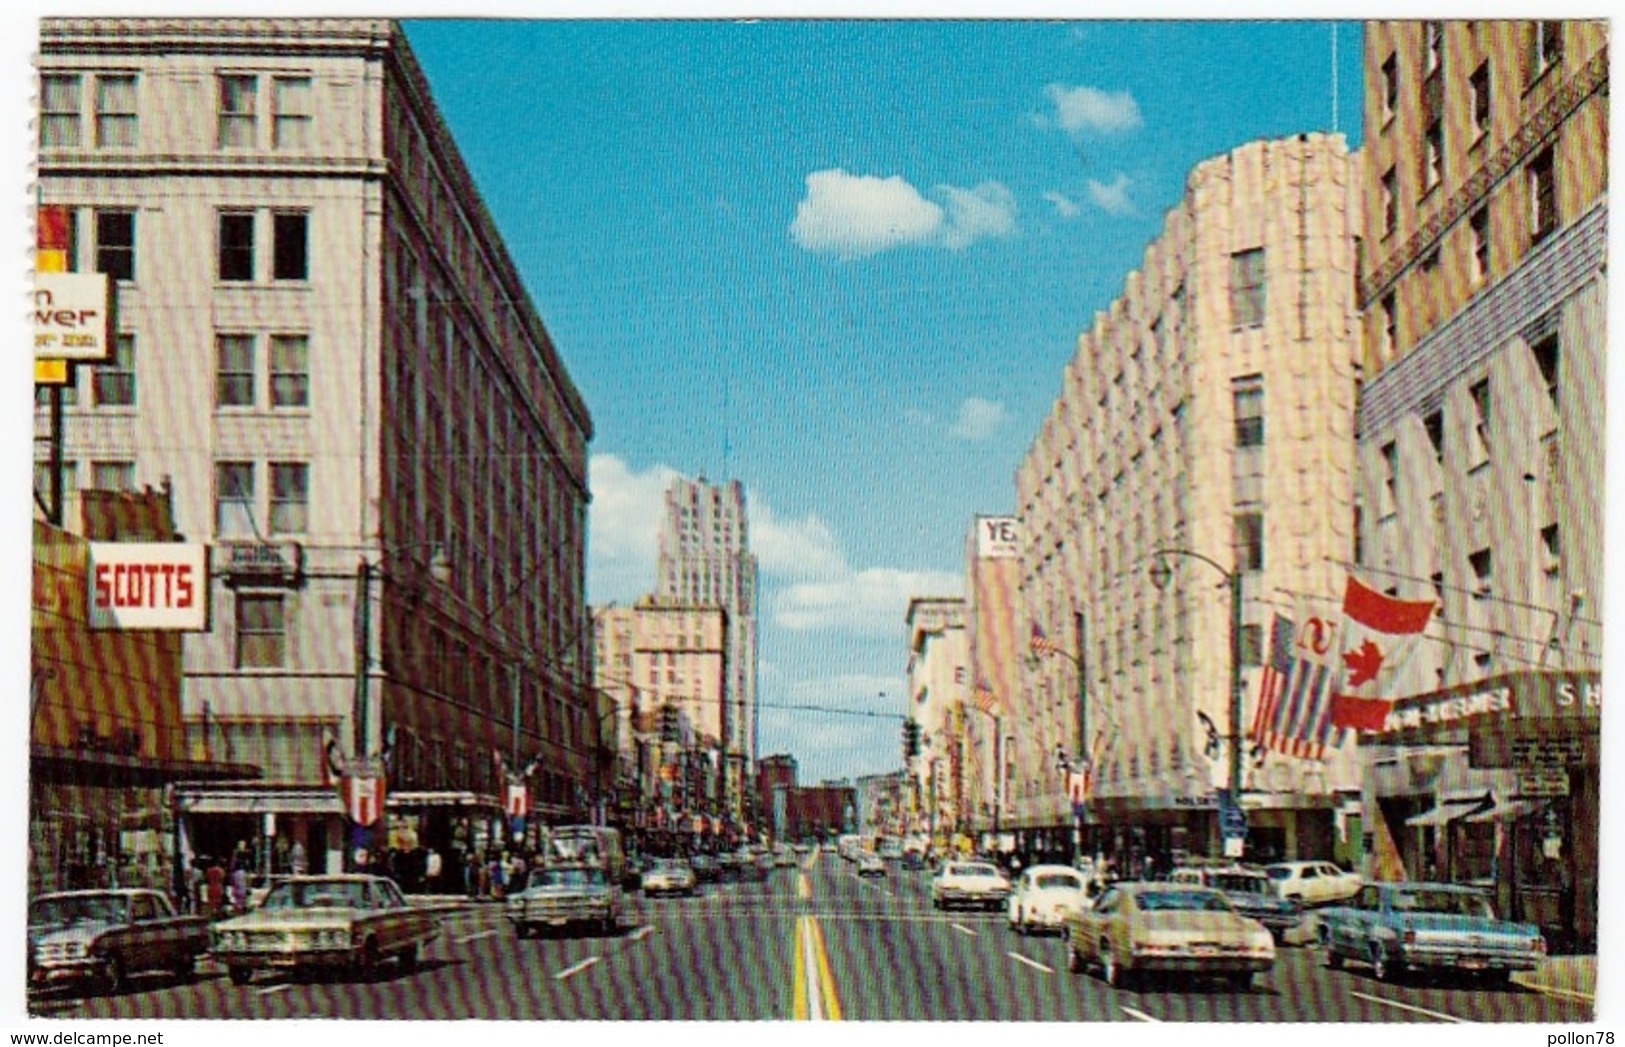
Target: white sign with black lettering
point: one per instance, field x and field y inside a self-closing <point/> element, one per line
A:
<point x="998" y="537"/>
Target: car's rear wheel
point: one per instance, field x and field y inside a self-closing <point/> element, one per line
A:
<point x="1074" y="959"/>
<point x="369" y="959"/>
<point x="185" y="968"/>
<point x="240" y="975"/>
<point x="1498" y="978"/>
<point x="409" y="958"/>
<point x="521" y="930"/>
<point x="1110" y="969"/>
<point x="1334" y="959"/>
<point x="1242" y="981"/>
<point x="1381" y="967"/>
<point x="115" y="979"/>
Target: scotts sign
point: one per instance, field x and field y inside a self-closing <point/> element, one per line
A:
<point x="148" y="585"/>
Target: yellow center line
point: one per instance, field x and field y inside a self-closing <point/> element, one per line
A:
<point x="799" y="985"/>
<point x="832" y="1002"/>
<point x="803" y="886"/>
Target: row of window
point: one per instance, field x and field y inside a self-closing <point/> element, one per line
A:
<point x="108" y="102"/>
<point x="238" y="231"/>
<point x="239" y="375"/>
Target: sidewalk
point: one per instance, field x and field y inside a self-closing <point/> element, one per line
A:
<point x="1571" y="977"/>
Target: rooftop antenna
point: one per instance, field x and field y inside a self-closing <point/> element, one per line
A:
<point x="727" y="421"/>
<point x="1334" y="77"/>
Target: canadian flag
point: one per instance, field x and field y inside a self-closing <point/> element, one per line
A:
<point x="363" y="798"/>
<point x="518" y="799"/>
<point x="1379" y="633"/>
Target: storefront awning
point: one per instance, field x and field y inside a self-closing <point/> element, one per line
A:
<point x="1448" y="809"/>
<point x="426" y="798"/>
<point x="260" y="801"/>
<point x="1506" y="811"/>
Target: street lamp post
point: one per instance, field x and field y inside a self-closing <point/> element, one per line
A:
<point x="1160" y="573"/>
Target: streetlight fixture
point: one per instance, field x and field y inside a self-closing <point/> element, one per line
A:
<point x="1161" y="573"/>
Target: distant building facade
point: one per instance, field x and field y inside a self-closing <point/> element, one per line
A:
<point x="938" y="667"/>
<point x="704" y="557"/>
<point x="325" y="346"/>
<point x="1000" y="708"/>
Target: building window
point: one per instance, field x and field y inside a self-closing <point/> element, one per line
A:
<point x="1545" y="47"/>
<point x="1547" y="359"/>
<point x="290" y="370"/>
<point x="290" y="112"/>
<point x="70" y="391"/>
<point x="112" y="384"/>
<point x="1433" y="157"/>
<point x="1247" y="288"/>
<point x="1252" y="644"/>
<point x="1483" y="572"/>
<point x="1434" y="425"/>
<point x="112" y="476"/>
<point x="59" y="111"/>
<point x="116" y="119"/>
<point x="237" y="119"/>
<point x="236" y="258"/>
<point x="1390" y="87"/>
<point x="1479" y="223"/>
<point x="1390" y="200"/>
<point x="1250" y="541"/>
<point x="234" y="499"/>
<point x="1542" y="195"/>
<point x="1480" y="85"/>
<point x="1249" y="407"/>
<point x="115" y="244"/>
<point x="290" y="497"/>
<point x="290" y="234"/>
<point x="1390" y="328"/>
<point x="1480" y="393"/>
<point x="234" y="370"/>
<point x="42" y="477"/>
<point x="262" y="632"/>
<point x="1433" y="33"/>
<point x="1390" y="479"/>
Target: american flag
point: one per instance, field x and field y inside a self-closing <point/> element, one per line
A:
<point x="1041" y="644"/>
<point x="1273" y="681"/>
<point x="985" y="699"/>
<point x="1298" y="719"/>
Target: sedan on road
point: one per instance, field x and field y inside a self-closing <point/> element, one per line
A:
<point x="668" y="876"/>
<point x="1139" y="928"/>
<point x="871" y="865"/>
<point x="1313" y="883"/>
<point x="562" y="895"/>
<point x="350" y="921"/>
<point x="1440" y="926"/>
<point x="1042" y="897"/>
<point x="969" y="883"/>
<point x="100" y="937"/>
<point x="1250" y="891"/>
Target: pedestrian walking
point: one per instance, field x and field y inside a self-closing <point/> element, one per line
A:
<point x="431" y="871"/>
<point x="214" y="891"/>
<point x="238" y="887"/>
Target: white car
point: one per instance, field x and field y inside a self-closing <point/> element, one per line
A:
<point x="969" y="883"/>
<point x="1042" y="897"/>
<point x="1313" y="883"/>
<point x="668" y="876"/>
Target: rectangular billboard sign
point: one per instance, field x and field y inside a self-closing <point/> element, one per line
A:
<point x="73" y="316"/>
<point x="997" y="537"/>
<point x="149" y="585"/>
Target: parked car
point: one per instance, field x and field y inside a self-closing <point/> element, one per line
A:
<point x="668" y="876"/>
<point x="871" y="865"/>
<point x="632" y="874"/>
<point x="566" y="895"/>
<point x="1042" y="896"/>
<point x="1137" y="928"/>
<point x="101" y="937"/>
<point x="1250" y="891"/>
<point x="1397" y="927"/>
<point x="1313" y="883"/>
<point x="337" y="922"/>
<point x="969" y="883"/>
<point x="707" y="869"/>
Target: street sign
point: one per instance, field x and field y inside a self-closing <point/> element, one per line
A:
<point x="1539" y="783"/>
<point x="1232" y="819"/>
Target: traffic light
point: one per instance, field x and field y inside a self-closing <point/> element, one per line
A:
<point x="911" y="738"/>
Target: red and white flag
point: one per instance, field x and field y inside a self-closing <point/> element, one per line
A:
<point x="1379" y="634"/>
<point x="518" y="800"/>
<point x="363" y="798"/>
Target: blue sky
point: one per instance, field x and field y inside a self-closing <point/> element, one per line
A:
<point x="870" y="244"/>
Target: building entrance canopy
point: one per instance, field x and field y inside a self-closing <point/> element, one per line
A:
<point x="1503" y="715"/>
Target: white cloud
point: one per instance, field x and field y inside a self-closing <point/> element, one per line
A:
<point x="623" y="521"/>
<point x="870" y="602"/>
<point x="1113" y="199"/>
<point x="1080" y="109"/>
<point x="978" y="418"/>
<point x="803" y="548"/>
<point x="1064" y="205"/>
<point x="853" y="216"/>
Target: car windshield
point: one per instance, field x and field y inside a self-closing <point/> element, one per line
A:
<point x="668" y="865"/>
<point x="1063" y="881"/>
<point x="567" y="878"/>
<point x="317" y="894"/>
<point x="1240" y="883"/>
<point x="1279" y="873"/>
<point x="87" y="908"/>
<point x="1182" y="901"/>
<point x="1451" y="903"/>
<point x="972" y="870"/>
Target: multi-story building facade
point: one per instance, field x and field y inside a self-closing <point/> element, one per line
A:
<point x="1481" y="434"/>
<point x="660" y="654"/>
<point x="999" y="708"/>
<point x="704" y="558"/>
<point x="938" y="667"/>
<point x="327" y="350"/>
<point x="775" y="777"/>
<point x="1209" y="409"/>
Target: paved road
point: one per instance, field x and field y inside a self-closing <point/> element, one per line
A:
<point x="812" y="943"/>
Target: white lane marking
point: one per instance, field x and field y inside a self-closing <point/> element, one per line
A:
<point x="809" y="962"/>
<point x="641" y="933"/>
<point x="962" y="929"/>
<point x="577" y="969"/>
<point x="465" y="939"/>
<point x="1140" y="1015"/>
<point x="1016" y="956"/>
<point x="269" y="989"/>
<point x="1408" y="1007"/>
